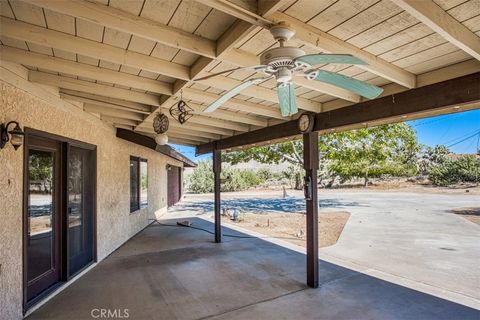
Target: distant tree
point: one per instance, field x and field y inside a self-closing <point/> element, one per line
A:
<point x="455" y="169"/>
<point x="201" y="180"/>
<point x="430" y="157"/>
<point x="372" y="152"/>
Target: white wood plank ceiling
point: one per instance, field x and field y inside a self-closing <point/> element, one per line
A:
<point x="125" y="60"/>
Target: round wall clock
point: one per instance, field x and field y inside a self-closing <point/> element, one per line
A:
<point x="160" y="123"/>
<point x="305" y="122"/>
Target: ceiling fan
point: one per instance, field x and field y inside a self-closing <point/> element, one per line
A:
<point x="284" y="63"/>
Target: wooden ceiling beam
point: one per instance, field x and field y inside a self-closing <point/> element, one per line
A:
<point x="183" y="142"/>
<point x="175" y="140"/>
<point x="193" y="127"/>
<point x="443" y="97"/>
<point x="93" y="88"/>
<point x="132" y="106"/>
<point x="223" y="114"/>
<point x="112" y="112"/>
<point x="237" y="11"/>
<point x="59" y="40"/>
<point x="116" y="120"/>
<point x="129" y="95"/>
<point x="177" y="134"/>
<point x="75" y="97"/>
<point x="240" y="30"/>
<point x="120" y="20"/>
<point x="431" y="14"/>
<point x="186" y="130"/>
<point x="83" y="70"/>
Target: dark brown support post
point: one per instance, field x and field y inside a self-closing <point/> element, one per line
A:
<point x="217" y="168"/>
<point x="310" y="164"/>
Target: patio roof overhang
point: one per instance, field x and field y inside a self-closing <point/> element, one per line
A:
<point x="128" y="60"/>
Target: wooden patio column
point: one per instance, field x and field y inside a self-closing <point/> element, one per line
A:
<point x="310" y="164"/>
<point x="217" y="168"/>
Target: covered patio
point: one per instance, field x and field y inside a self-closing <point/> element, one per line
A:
<point x="168" y="272"/>
<point x="113" y="76"/>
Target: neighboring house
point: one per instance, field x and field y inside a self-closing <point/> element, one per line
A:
<point x="101" y="191"/>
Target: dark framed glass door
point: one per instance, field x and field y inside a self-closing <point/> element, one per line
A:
<point x="43" y="223"/>
<point x="80" y="208"/>
<point x="59" y="211"/>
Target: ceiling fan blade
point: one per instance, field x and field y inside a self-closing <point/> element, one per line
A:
<point x="359" y="87"/>
<point x="287" y="99"/>
<point x="232" y="92"/>
<point x="254" y="68"/>
<point x="314" y="59"/>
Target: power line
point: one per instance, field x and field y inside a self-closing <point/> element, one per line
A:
<point x="462" y="136"/>
<point x="428" y="121"/>
<point x="465" y="139"/>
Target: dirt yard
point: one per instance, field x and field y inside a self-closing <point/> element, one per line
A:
<point x="471" y="214"/>
<point x="291" y="227"/>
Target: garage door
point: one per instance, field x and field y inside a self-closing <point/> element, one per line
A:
<point x="174" y="185"/>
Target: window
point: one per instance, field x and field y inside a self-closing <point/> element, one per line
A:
<point x="143" y="184"/>
<point x="138" y="184"/>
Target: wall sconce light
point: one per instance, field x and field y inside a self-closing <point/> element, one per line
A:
<point x="169" y="167"/>
<point x="16" y="135"/>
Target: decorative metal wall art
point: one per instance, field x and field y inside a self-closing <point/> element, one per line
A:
<point x="181" y="111"/>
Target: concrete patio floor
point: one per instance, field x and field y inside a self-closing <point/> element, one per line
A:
<point x="386" y="231"/>
<point x="179" y="273"/>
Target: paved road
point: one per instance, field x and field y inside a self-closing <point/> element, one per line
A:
<point x="412" y="236"/>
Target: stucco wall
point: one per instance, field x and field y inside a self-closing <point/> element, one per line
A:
<point x="115" y="224"/>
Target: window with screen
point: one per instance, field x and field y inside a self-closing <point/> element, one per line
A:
<point x="138" y="184"/>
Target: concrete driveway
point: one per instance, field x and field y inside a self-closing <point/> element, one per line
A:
<point x="408" y="238"/>
<point x="414" y="237"/>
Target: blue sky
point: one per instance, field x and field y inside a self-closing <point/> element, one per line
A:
<point x="449" y="130"/>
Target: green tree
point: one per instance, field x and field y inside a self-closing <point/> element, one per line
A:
<point x="367" y="152"/>
<point x="40" y="170"/>
<point x="201" y="180"/>
<point x="464" y="168"/>
<point x="372" y="152"/>
<point x="430" y="157"/>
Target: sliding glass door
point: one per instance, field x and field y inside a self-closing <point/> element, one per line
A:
<point x="59" y="196"/>
<point x="42" y="239"/>
<point x="80" y="208"/>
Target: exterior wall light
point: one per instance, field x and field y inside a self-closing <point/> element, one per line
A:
<point x="16" y="135"/>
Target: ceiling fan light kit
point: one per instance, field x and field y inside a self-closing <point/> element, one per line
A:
<point x="283" y="63"/>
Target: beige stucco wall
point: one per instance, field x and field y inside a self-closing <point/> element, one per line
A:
<point x="115" y="224"/>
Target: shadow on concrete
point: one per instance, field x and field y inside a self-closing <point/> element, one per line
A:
<point x="267" y="205"/>
<point x="170" y="272"/>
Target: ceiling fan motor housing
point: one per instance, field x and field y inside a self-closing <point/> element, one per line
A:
<point x="280" y="62"/>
